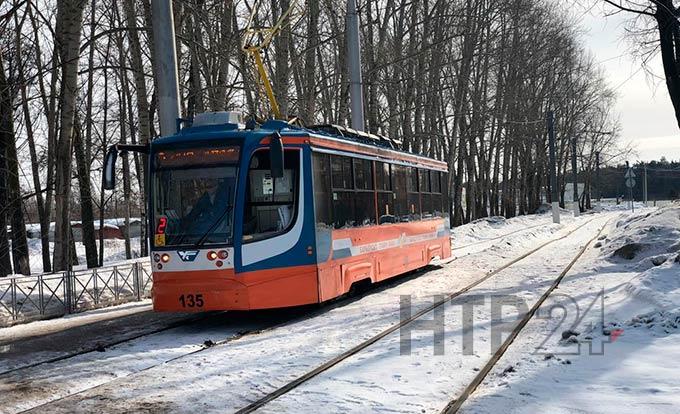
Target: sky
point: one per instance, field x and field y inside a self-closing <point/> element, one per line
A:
<point x="645" y="111"/>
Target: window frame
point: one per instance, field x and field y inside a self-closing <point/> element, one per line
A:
<point x="296" y="198"/>
<point x="393" y="194"/>
<point x="379" y="191"/>
<point x="326" y="159"/>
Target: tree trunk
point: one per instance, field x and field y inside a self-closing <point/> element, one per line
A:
<point x="43" y="216"/>
<point x="5" y="122"/>
<point x="143" y="113"/>
<point x="122" y="109"/>
<point x="84" y="184"/>
<point x="669" y="41"/>
<point x="308" y="111"/>
<point x="282" y="47"/>
<point x="69" y="23"/>
<point x="13" y="206"/>
<point x="49" y="102"/>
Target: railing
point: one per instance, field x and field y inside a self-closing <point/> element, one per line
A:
<point x="29" y="298"/>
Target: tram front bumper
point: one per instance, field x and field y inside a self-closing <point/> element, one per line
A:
<point x="199" y="295"/>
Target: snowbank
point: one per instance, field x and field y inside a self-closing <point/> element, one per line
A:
<point x="650" y="244"/>
<point x="114" y="252"/>
<point x="623" y="305"/>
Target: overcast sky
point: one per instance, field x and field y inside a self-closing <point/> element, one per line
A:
<point x="645" y="110"/>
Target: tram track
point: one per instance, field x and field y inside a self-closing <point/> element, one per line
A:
<point x="207" y="345"/>
<point x="210" y="344"/>
<point x="454" y="405"/>
<point x="465" y="246"/>
<point x="242" y="334"/>
<point x="197" y="318"/>
<point x="290" y="386"/>
<point x="103" y="345"/>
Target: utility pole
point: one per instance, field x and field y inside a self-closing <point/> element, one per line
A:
<point x="630" y="183"/>
<point x="553" y="169"/>
<point x="165" y="57"/>
<point x="577" y="209"/>
<point x="644" y="186"/>
<point x="597" y="176"/>
<point x="354" y="61"/>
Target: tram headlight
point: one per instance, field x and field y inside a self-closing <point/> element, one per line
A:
<point x="156" y="257"/>
<point x="165" y="258"/>
<point x="223" y="254"/>
<point x="212" y="255"/>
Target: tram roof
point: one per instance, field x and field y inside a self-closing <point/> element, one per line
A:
<point x="332" y="138"/>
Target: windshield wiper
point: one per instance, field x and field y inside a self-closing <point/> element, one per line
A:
<point x="212" y="226"/>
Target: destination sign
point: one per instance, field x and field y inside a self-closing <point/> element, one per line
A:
<point x="197" y="157"/>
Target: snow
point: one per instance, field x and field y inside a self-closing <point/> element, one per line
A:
<point x="227" y="377"/>
<point x="110" y="223"/>
<point x="114" y="252"/>
<point x="632" y="269"/>
<point x="21" y="331"/>
<point x="105" y="288"/>
<point x="638" y="370"/>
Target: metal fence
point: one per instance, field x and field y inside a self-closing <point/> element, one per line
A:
<point x="28" y="298"/>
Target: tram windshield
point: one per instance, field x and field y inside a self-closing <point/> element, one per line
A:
<point x="193" y="196"/>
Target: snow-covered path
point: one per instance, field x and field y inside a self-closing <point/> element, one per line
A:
<point x="635" y="358"/>
<point x="384" y="378"/>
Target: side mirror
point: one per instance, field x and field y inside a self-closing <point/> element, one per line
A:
<point x="276" y="155"/>
<point x="109" y="177"/>
<point x="110" y="168"/>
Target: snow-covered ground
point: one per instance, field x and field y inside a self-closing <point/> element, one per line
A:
<point x="175" y="371"/>
<point x="635" y="358"/>
<point x="114" y="252"/>
<point x="23" y="297"/>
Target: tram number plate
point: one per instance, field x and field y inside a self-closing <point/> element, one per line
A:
<point x="191" y="300"/>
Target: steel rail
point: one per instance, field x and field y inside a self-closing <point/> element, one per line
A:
<point x="329" y="306"/>
<point x="499" y="237"/>
<point x="194" y="318"/>
<point x="454" y="405"/>
<point x="175" y="324"/>
<point x="39" y="408"/>
<point x="333" y="304"/>
<point x="365" y="344"/>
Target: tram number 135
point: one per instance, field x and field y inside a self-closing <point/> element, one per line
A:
<point x="191" y="300"/>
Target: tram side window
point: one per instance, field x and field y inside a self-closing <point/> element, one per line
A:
<point x="400" y="187"/>
<point x="342" y="192"/>
<point x="343" y="209"/>
<point x="364" y="204"/>
<point x="425" y="193"/>
<point x="413" y="195"/>
<point x="363" y="174"/>
<point x="435" y="183"/>
<point x="382" y="176"/>
<point x="322" y="188"/>
<point x="271" y="204"/>
<point x="445" y="194"/>
<point x="383" y="181"/>
<point x="341" y="168"/>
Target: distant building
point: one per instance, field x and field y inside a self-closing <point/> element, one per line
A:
<point x="113" y="229"/>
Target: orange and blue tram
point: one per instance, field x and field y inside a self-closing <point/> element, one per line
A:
<point x="278" y="216"/>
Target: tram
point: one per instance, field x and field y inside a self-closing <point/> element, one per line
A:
<point x="279" y="215"/>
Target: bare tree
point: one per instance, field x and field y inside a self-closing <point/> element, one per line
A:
<point x="664" y="15"/>
<point x="69" y="28"/>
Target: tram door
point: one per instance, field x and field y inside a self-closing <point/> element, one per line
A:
<point x="273" y="209"/>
